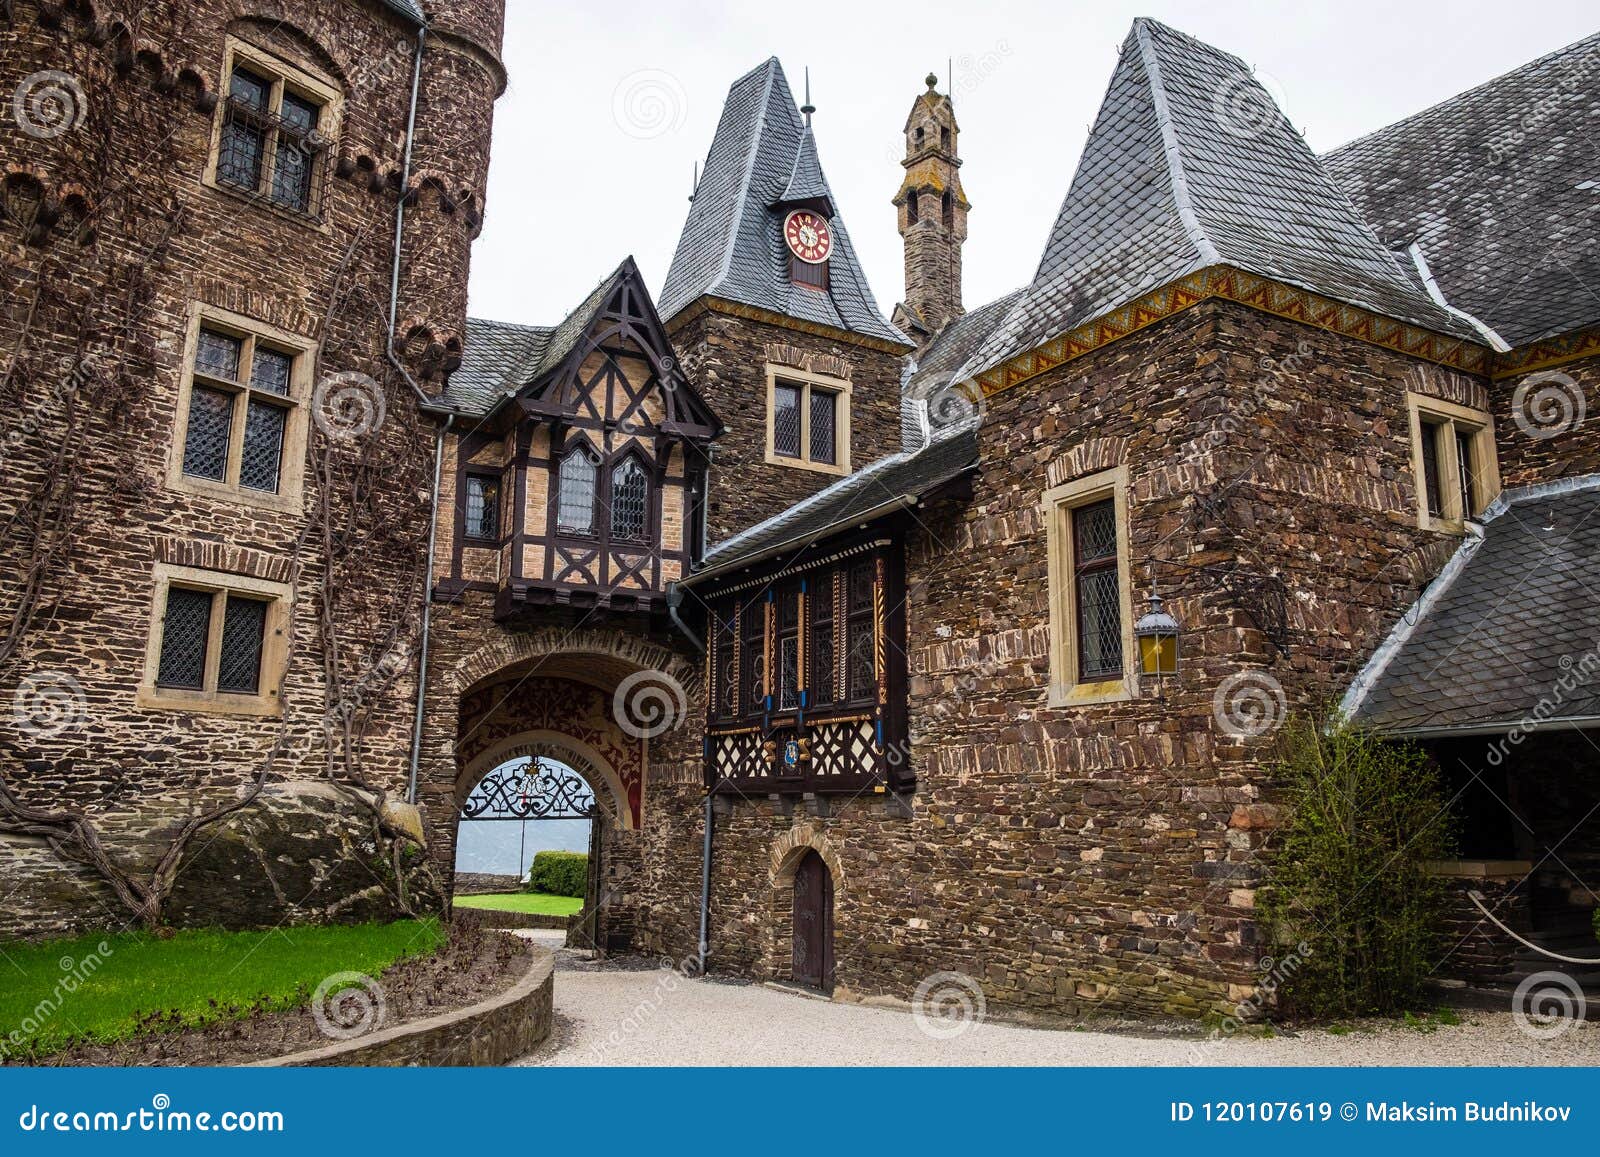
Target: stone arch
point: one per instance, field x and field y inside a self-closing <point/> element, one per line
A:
<point x="1090" y="456"/>
<point x="511" y="651"/>
<point x="791" y="847"/>
<point x="595" y="769"/>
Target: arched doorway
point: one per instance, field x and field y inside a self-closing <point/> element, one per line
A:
<point x="813" y="923"/>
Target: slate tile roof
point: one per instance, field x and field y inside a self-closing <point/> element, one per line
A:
<point x="499" y="358"/>
<point x="1191" y="164"/>
<point x="911" y="473"/>
<point x="936" y="366"/>
<point x="1500" y="189"/>
<point x="732" y="243"/>
<point x="1510" y="616"/>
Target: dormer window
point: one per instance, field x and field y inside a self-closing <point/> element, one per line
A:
<point x="809" y="275"/>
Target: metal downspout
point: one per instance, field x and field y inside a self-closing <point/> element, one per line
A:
<point x="427" y="610"/>
<point x="400" y="222"/>
<point x="705" y="887"/>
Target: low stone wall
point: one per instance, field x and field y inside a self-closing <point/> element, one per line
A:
<point x="485" y="883"/>
<point x="496" y="1031"/>
<point x="1482" y="953"/>
<point x="490" y="918"/>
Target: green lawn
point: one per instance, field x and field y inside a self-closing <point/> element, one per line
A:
<point x="110" y="987"/>
<point x="532" y="902"/>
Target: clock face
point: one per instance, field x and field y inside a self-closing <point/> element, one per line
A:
<point x="808" y="236"/>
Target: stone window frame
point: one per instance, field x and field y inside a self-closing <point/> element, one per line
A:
<point x="266" y="700"/>
<point x="1452" y="419"/>
<point x="283" y="74"/>
<point x="1057" y="504"/>
<point x="807" y="381"/>
<point x="289" y="497"/>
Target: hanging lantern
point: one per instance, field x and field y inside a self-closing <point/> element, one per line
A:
<point x="1156" y="634"/>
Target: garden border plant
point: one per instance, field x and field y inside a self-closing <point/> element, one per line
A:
<point x="1349" y="869"/>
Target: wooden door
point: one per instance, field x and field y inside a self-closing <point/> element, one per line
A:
<point x="813" y="923"/>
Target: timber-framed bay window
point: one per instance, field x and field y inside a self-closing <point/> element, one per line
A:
<point x="1453" y="461"/>
<point x="274" y="127"/>
<point x="216" y="642"/>
<point x="808" y="420"/>
<point x="480" y="512"/>
<point x="1092" y="659"/>
<point x="241" y="422"/>
<point x="610" y="500"/>
<point x="807" y="677"/>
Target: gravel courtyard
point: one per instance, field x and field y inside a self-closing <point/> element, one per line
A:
<point x="617" y="1014"/>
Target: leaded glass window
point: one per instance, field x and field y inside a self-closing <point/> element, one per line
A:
<point x="752" y="679"/>
<point x="824" y="447"/>
<point x="184" y="629"/>
<point x="788" y="612"/>
<point x="483" y="507"/>
<point x="237" y="419"/>
<point x="243" y="632"/>
<point x="786" y="421"/>
<point x="862" y="678"/>
<point x="267" y="123"/>
<point x="205" y="445"/>
<point x="822" y="680"/>
<point x="575" y="487"/>
<point x="630" y="493"/>
<point x="1097" y="591"/>
<point x="1430" y="469"/>
<point x="263" y="446"/>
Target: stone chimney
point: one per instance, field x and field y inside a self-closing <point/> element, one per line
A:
<point x="932" y="212"/>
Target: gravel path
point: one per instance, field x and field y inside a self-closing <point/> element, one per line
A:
<point x="641" y="1015"/>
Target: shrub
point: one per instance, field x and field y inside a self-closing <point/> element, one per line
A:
<point x="1363" y="817"/>
<point x="559" y="874"/>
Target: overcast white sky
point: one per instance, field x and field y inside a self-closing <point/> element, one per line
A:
<point x="611" y="104"/>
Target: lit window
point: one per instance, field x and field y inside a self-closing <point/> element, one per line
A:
<point x="483" y="507"/>
<point x="576" y="492"/>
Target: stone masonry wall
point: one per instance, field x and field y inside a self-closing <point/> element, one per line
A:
<point x="112" y="239"/>
<point x="727" y="359"/>
<point x="1552" y="429"/>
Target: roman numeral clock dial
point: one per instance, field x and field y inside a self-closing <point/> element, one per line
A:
<point x="808" y="236"/>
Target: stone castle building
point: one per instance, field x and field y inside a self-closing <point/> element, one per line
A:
<point x="840" y="617"/>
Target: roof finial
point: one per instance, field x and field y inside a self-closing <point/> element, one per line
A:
<point x="694" y="189"/>
<point x="808" y="108"/>
<point x="932" y="81"/>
